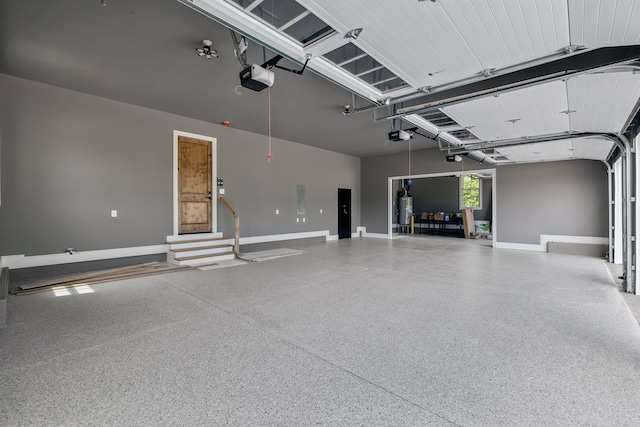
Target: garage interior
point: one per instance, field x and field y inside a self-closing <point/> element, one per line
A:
<point x="317" y="117"/>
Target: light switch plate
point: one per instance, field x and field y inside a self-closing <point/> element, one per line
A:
<point x="114" y="213"/>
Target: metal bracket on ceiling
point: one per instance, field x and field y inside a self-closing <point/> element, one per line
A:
<point x="572" y="48"/>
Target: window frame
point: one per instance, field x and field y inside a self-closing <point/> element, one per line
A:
<point x="462" y="190"/>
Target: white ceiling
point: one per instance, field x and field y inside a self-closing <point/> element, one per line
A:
<point x="141" y="52"/>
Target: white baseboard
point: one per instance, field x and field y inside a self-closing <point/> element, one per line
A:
<point x="362" y="232"/>
<point x="22" y="261"/>
<point x="546" y="238"/>
<point x="376" y="235"/>
<point x="519" y="247"/>
<point x="281" y="237"/>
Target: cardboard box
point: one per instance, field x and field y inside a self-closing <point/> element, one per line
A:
<point x="438" y="217"/>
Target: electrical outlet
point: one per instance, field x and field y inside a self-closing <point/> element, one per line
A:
<point x="277" y="211"/>
<point x="297" y="219"/>
<point x="114" y="213"/>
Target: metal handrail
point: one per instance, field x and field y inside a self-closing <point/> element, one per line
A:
<point x="236" y="226"/>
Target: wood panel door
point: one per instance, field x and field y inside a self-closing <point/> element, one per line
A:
<point x="194" y="185"/>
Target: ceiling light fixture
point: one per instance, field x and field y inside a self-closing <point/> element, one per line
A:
<point x="353" y="34"/>
<point x="206" y="50"/>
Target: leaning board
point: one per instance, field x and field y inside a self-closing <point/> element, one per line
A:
<point x="468" y="223"/>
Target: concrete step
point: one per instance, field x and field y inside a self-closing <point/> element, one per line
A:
<point x="201" y="260"/>
<point x="205" y="250"/>
<point x="195" y="250"/>
<point x="196" y="243"/>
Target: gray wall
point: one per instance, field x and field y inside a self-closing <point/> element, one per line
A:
<point x="69" y="158"/>
<point x="564" y="198"/>
<point x="561" y="198"/>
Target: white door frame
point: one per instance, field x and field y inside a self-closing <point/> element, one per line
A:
<point x="214" y="175"/>
<point x="494" y="223"/>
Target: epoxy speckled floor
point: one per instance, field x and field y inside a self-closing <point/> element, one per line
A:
<point x="361" y="332"/>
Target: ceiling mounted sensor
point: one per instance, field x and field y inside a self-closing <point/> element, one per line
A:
<point x="347" y="110"/>
<point x="454" y="158"/>
<point x="206" y="50"/>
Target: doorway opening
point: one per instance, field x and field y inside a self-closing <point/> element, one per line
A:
<point x="439" y="194"/>
<point x="344" y="213"/>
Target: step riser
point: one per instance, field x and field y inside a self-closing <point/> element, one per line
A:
<point x="204" y="243"/>
<point x="191" y="254"/>
<point x="199" y="252"/>
<point x="207" y="236"/>
<point x="205" y="251"/>
<point x="203" y="261"/>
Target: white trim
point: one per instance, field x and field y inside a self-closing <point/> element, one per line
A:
<point x="22" y="261"/>
<point x="280" y="237"/>
<point x="519" y="247"/>
<point x="546" y="238"/>
<point x="196" y="236"/>
<point x="618" y="241"/>
<point x="634" y="211"/>
<point x="376" y="236"/>
<point x="586" y="240"/>
<point x="214" y="178"/>
<point x="332" y="237"/>
<point x="461" y="189"/>
<point x="494" y="203"/>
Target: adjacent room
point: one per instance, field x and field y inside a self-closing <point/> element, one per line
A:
<point x="309" y="212"/>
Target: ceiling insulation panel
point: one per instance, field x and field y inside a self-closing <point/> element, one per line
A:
<point x="528" y="112"/>
<point x="542" y="151"/>
<point x="433" y="43"/>
<point x="595" y="149"/>
<point x="598" y="23"/>
<point x="567" y="149"/>
<point x="602" y="102"/>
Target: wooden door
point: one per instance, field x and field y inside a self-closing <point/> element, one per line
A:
<point x="194" y="185"/>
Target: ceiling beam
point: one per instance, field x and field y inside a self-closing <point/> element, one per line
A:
<point x="570" y="66"/>
<point x="479" y="146"/>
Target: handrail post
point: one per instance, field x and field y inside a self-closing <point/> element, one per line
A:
<point x="236" y="226"/>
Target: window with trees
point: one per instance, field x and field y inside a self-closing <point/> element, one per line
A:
<point x="470" y="192"/>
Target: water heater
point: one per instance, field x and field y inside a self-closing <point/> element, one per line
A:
<point x="405" y="210"/>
